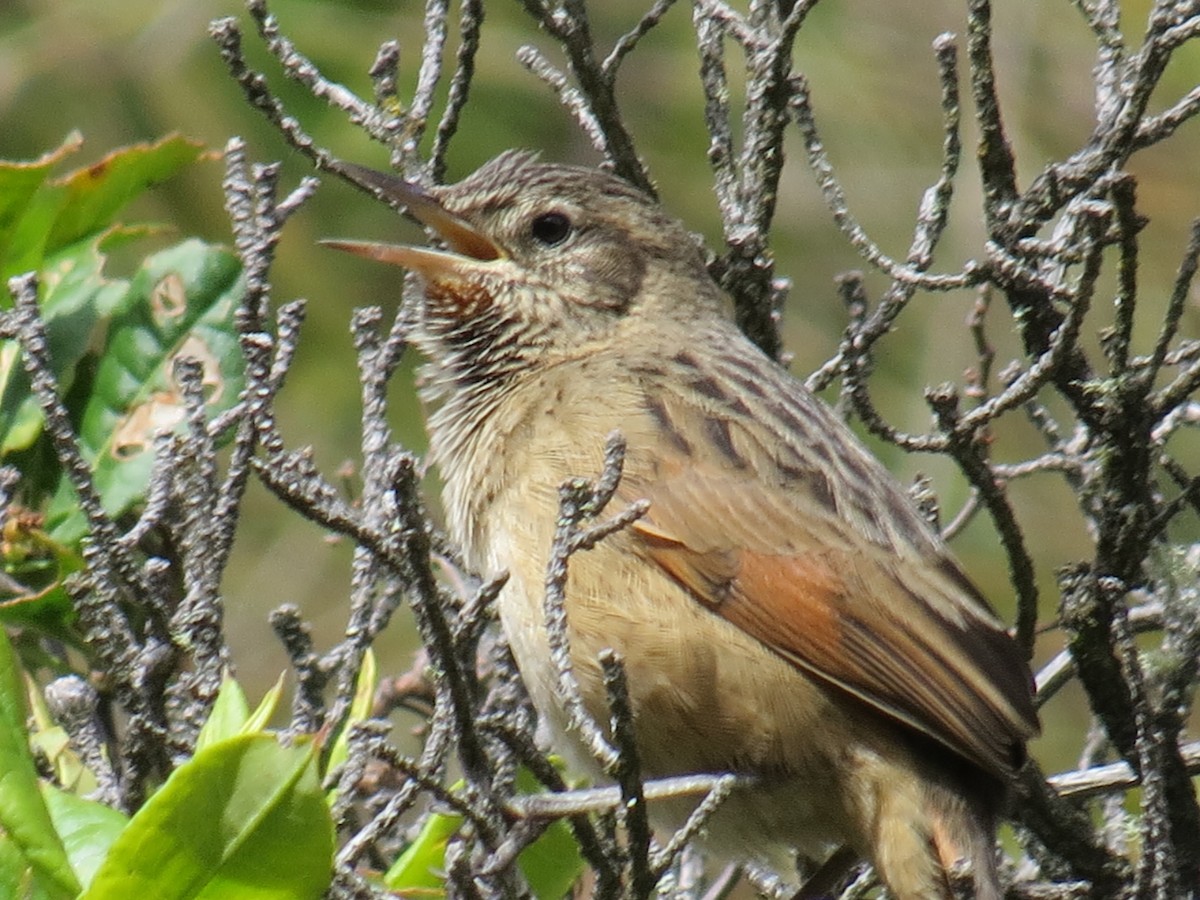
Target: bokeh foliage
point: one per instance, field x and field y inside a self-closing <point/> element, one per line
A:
<point x="132" y="71"/>
<point x="137" y="69"/>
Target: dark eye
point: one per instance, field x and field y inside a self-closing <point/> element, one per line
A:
<point x="551" y="228"/>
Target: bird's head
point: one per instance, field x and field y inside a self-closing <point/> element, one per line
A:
<point x="541" y="262"/>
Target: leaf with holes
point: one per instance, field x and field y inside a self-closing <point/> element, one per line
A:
<point x="60" y="228"/>
<point x="179" y="304"/>
<point x="110" y="343"/>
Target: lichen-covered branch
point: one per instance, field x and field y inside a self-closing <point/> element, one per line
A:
<point x="1061" y="268"/>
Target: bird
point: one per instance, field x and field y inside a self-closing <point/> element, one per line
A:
<point x="783" y="610"/>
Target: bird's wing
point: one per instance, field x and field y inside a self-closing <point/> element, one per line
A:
<point x="804" y="563"/>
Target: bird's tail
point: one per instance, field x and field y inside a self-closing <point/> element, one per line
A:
<point x="964" y="841"/>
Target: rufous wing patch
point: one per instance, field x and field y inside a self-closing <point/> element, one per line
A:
<point x="800" y="605"/>
<point x="829" y="585"/>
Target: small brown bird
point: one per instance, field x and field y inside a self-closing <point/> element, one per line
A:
<point x="783" y="610"/>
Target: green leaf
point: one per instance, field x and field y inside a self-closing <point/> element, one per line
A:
<point x="13" y="871"/>
<point x="419" y="869"/>
<point x="87" y="828"/>
<point x="85" y="202"/>
<point x="360" y="710"/>
<point x="37" y="565"/>
<point x="23" y="815"/>
<point x="95" y="194"/>
<point x="17" y="879"/>
<point x="53" y="744"/>
<point x="258" y="719"/>
<point x="62" y="229"/>
<point x="75" y="295"/>
<point x="242" y="819"/>
<point x="229" y="713"/>
<point x="19" y="183"/>
<point x="50" y="740"/>
<point x="551" y="864"/>
<point x="180" y="303"/>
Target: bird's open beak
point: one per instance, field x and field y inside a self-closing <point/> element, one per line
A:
<point x="469" y="245"/>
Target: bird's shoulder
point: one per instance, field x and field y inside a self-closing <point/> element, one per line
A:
<point x="720" y="411"/>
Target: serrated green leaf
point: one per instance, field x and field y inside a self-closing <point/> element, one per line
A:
<point x="87" y="828"/>
<point x="19" y="182"/>
<point x="96" y="193"/>
<point x="180" y="303"/>
<point x="23" y="815"/>
<point x="242" y="819"/>
<point x="229" y="714"/>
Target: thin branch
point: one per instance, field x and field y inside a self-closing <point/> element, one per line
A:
<point x="629" y="41"/>
<point x="470" y="27"/>
<point x="1115" y="777"/>
<point x="835" y="199"/>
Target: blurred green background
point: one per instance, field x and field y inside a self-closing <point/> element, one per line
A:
<point x="122" y="71"/>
